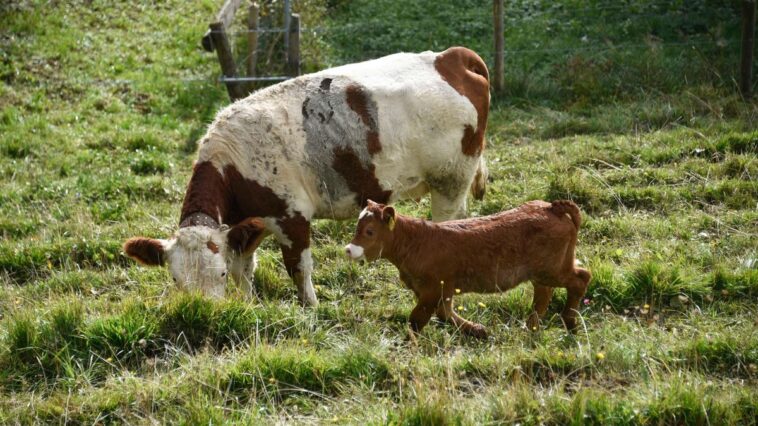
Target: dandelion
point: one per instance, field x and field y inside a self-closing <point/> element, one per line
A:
<point x="304" y="341"/>
<point x="481" y="305"/>
<point x="600" y="356"/>
<point x="457" y="291"/>
<point x="646" y="306"/>
<point x="318" y="287"/>
<point x="109" y="359"/>
<point x="272" y="380"/>
<point x="460" y="307"/>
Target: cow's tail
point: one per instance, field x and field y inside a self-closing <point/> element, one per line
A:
<point x="568" y="207"/>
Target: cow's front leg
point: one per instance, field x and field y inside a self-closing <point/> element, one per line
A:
<point x="242" y="270"/>
<point x="297" y="256"/>
<point x="449" y="204"/>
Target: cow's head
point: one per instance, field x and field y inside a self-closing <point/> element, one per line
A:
<point x="199" y="257"/>
<point x="373" y="232"/>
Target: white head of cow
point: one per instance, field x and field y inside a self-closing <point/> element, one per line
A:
<point x="200" y="257"/>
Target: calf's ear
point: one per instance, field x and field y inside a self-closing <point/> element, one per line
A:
<point x="388" y="214"/>
<point x="245" y="236"/>
<point x="146" y="251"/>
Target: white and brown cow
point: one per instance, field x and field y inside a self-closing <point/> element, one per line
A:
<point x="320" y="146"/>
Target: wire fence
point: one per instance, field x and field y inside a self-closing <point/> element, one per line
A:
<point x="321" y="42"/>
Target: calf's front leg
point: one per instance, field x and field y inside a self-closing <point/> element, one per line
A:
<point x="446" y="313"/>
<point x="542" y="296"/>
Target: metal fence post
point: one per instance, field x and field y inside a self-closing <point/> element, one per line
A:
<point x="498" y="18"/>
<point x="293" y="51"/>
<point x="252" y="42"/>
<point x="748" y="43"/>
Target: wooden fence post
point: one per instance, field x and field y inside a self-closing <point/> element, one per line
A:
<point x="252" y="42"/>
<point x="498" y="18"/>
<point x="226" y="59"/>
<point x="293" y="51"/>
<point x="748" y="43"/>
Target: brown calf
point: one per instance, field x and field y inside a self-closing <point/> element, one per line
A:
<point x="488" y="254"/>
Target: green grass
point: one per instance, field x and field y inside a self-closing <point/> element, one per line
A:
<point x="100" y="107"/>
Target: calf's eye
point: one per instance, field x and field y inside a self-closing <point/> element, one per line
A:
<point x="223" y="274"/>
<point x="370" y="232"/>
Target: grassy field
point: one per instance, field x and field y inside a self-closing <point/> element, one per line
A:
<point x="101" y="105"/>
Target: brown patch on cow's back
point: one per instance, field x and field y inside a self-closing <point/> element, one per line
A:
<point x="360" y="180"/>
<point x="251" y="198"/>
<point x="467" y="73"/>
<point x="358" y="101"/>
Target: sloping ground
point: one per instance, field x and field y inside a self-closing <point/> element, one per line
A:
<point x="100" y="107"/>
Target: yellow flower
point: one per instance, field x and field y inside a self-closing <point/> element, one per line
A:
<point x="305" y="341"/>
<point x="460" y="307"/>
<point x="600" y="356"/>
<point x="457" y="291"/>
<point x="271" y="380"/>
<point x="481" y="305"/>
<point x="646" y="306"/>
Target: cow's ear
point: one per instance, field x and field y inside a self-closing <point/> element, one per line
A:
<point x="146" y="251"/>
<point x="245" y="236"/>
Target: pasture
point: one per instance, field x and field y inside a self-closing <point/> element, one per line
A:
<point x="100" y="107"/>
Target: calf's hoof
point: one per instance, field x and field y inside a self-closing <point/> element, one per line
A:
<point x="533" y="323"/>
<point x="476" y="330"/>
<point x="570" y="323"/>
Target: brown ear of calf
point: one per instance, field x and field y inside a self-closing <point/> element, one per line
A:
<point x="146" y="251"/>
<point x="246" y="235"/>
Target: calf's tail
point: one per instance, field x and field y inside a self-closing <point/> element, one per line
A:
<point x="568" y="207"/>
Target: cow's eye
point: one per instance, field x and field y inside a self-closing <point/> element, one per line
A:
<point x="370" y="232"/>
<point x="223" y="274"/>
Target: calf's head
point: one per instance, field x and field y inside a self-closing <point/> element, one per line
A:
<point x="198" y="257"/>
<point x="373" y="233"/>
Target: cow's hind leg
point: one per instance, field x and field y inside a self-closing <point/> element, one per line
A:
<point x="296" y="253"/>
